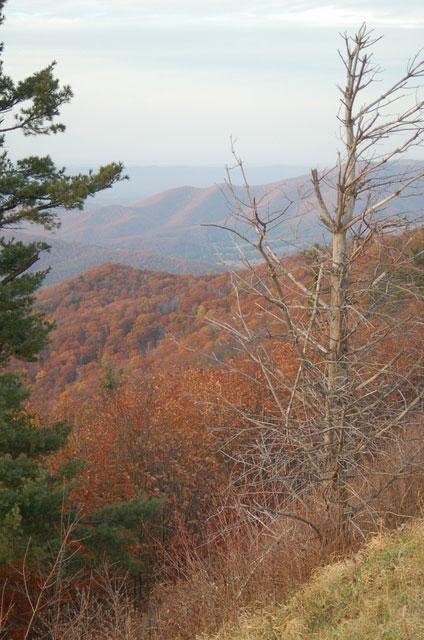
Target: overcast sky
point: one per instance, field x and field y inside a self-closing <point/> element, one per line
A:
<point x="169" y="81"/>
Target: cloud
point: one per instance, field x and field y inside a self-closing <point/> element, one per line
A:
<point x="234" y="13"/>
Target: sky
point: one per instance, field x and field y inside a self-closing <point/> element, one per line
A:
<point x="168" y="82"/>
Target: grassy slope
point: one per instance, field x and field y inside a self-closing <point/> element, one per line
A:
<point x="376" y="595"/>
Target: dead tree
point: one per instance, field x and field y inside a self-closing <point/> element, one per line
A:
<point x="348" y="315"/>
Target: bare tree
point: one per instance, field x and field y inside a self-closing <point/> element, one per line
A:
<point x="347" y="315"/>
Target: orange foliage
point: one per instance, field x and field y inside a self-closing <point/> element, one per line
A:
<point x="153" y="437"/>
<point x="123" y="318"/>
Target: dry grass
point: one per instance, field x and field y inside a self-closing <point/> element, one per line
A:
<point x="376" y="594"/>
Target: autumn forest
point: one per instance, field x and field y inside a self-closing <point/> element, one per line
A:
<point x="175" y="448"/>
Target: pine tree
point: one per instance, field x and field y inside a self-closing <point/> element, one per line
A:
<point x="31" y="191"/>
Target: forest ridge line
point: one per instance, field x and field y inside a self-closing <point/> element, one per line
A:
<point x="169" y="231"/>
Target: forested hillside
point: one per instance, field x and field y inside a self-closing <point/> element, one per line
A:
<point x="178" y="451"/>
<point x="68" y="259"/>
<point x="156" y="416"/>
<point x="120" y="318"/>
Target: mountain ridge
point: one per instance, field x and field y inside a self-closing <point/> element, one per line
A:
<point x="187" y="223"/>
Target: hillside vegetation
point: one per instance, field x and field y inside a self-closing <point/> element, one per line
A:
<point x="377" y="593"/>
<point x="130" y="320"/>
<point x="118" y="317"/>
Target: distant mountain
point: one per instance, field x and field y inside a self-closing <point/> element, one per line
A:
<point x="170" y="223"/>
<point x="185" y="224"/>
<point x="145" y="181"/>
<point x="68" y="259"/>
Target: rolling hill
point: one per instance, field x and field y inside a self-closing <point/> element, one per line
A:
<point x="121" y="318"/>
<point x="68" y="259"/>
<point x="170" y="223"/>
<point x="185" y="223"/>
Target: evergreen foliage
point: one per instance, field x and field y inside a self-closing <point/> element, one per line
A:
<point x="110" y="532"/>
<point x="31" y="498"/>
